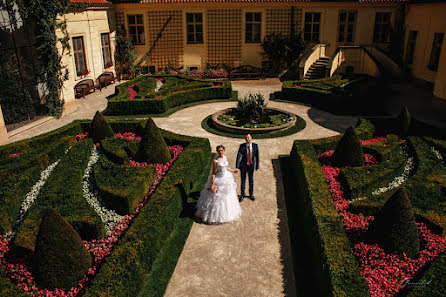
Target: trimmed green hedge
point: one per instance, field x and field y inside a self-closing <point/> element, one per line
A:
<point x="364" y="130"/>
<point x="63" y="192"/>
<point x="327" y="94"/>
<point x="122" y="187"/>
<point x="334" y="269"/>
<point x="170" y="97"/>
<point x="124" y="271"/>
<point x="39" y="142"/>
<point x="432" y="281"/>
<point x="427" y="187"/>
<point x="362" y="181"/>
<point x="17" y="178"/>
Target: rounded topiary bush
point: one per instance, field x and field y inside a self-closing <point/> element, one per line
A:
<point x="60" y="259"/>
<point x="153" y="148"/>
<point x="405" y="120"/>
<point x="100" y="128"/>
<point x="348" y="151"/>
<point x="394" y="228"/>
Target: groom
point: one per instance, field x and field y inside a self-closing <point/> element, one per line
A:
<point x="247" y="160"/>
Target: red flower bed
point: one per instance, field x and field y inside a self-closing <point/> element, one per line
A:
<point x="19" y="269"/>
<point x="384" y="273"/>
<point x="132" y="92"/>
<point x="14" y="155"/>
<point x="125" y="135"/>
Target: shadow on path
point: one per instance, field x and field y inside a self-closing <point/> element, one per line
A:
<point x="332" y="122"/>
<point x="286" y="257"/>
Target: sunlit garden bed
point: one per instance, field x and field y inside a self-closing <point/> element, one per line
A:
<point x="155" y="94"/>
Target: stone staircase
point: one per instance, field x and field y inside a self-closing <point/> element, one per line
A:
<point x="317" y="69"/>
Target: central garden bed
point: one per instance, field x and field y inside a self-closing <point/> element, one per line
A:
<point x="272" y="120"/>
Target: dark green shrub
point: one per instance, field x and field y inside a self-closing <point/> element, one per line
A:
<point x="119" y="150"/>
<point x="394" y="227"/>
<point x="404" y="119"/>
<point x="362" y="181"/>
<point x="133" y="257"/>
<point x="365" y="130"/>
<point x="60" y="259"/>
<point x="348" y="151"/>
<point x="122" y="187"/>
<point x="153" y="148"/>
<point x="100" y="128"/>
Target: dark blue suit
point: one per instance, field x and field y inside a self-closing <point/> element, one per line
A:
<point x="242" y="164"/>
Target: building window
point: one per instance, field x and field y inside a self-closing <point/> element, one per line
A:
<point x="312" y="26"/>
<point x="383" y="27"/>
<point x="106" y="52"/>
<point x="346" y="29"/>
<point x="194" y="27"/>
<point x="136" y="28"/>
<point x="253" y="25"/>
<point x="411" y="46"/>
<point x="79" y="56"/>
<point x="435" y="51"/>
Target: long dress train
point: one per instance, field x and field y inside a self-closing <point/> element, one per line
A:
<point x="222" y="206"/>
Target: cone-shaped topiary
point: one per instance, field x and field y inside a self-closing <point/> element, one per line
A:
<point x="394" y="228"/>
<point x="405" y="120"/>
<point x="153" y="148"/>
<point x="348" y="151"/>
<point x="100" y="128"/>
<point x="60" y="258"/>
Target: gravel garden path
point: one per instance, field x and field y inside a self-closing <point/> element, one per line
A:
<point x="250" y="257"/>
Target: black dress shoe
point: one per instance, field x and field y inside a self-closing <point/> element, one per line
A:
<point x="252" y="198"/>
<point x="241" y="198"/>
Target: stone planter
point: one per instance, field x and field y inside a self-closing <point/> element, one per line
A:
<point x="239" y="130"/>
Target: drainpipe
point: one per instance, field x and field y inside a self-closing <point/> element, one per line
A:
<point x="292" y="27"/>
<point x="91" y="48"/>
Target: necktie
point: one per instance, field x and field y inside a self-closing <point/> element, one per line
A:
<point x="249" y="155"/>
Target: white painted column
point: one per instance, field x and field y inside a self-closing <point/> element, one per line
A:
<point x="3" y="131"/>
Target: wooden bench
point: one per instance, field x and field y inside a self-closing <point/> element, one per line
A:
<point x="246" y="72"/>
<point x="105" y="79"/>
<point x="84" y="87"/>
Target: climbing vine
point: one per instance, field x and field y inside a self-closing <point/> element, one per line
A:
<point x="48" y="17"/>
<point x="42" y="19"/>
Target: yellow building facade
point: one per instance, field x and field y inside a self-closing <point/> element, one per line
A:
<point x="92" y="47"/>
<point x="425" y="48"/>
<point x="224" y="28"/>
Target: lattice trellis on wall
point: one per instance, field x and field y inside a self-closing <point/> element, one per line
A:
<point x="224" y="33"/>
<point x="169" y="48"/>
<point x="279" y="21"/>
<point x="120" y="21"/>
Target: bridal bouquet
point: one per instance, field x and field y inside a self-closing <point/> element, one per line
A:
<point x="213" y="189"/>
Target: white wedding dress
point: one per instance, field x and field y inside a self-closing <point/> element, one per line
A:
<point x="223" y="206"/>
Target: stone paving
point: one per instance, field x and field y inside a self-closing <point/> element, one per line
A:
<point x="250" y="257"/>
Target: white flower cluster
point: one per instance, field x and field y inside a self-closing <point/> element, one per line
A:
<point x="437" y="154"/>
<point x="399" y="180"/>
<point x="108" y="217"/>
<point x="31" y="197"/>
<point x="159" y="84"/>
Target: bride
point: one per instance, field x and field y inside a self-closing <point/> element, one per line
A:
<point x="218" y="201"/>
